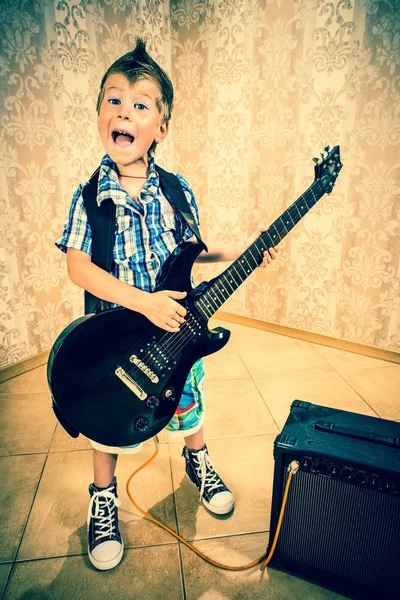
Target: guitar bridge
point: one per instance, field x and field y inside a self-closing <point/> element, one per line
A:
<point x="130" y="383"/>
<point x="144" y="368"/>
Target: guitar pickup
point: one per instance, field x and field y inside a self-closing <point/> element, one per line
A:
<point x="130" y="383"/>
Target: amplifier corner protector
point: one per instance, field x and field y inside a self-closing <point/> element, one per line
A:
<point x="286" y="441"/>
<point x="300" y="404"/>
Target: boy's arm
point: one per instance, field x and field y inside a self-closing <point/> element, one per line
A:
<point x="160" y="308"/>
<point x="230" y="252"/>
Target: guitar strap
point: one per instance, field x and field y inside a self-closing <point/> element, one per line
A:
<point x="102" y="221"/>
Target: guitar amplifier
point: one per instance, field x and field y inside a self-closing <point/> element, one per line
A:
<point x="341" y="525"/>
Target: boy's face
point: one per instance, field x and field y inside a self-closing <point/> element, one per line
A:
<point x="129" y="121"/>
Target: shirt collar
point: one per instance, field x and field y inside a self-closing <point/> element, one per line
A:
<point x="108" y="181"/>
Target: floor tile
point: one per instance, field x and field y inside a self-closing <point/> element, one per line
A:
<point x="57" y="524"/>
<point x="326" y="389"/>
<point x="246" y="466"/>
<point x="380" y="388"/>
<point x="236" y="408"/>
<point x="4" y="572"/>
<point x="33" y="382"/>
<point x="27" y="423"/>
<point x="271" y="357"/>
<point x="349" y="361"/>
<point x="145" y="573"/>
<point x="206" y="582"/>
<point x="19" y="482"/>
<point x="225" y="364"/>
<point x="63" y="442"/>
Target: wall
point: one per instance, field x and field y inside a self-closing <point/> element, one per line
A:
<point x="261" y="87"/>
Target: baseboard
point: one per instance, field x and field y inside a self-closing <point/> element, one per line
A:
<point x="23" y="366"/>
<point x="309" y="336"/>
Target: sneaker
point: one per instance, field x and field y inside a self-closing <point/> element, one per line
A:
<point x="105" y="543"/>
<point x="213" y="492"/>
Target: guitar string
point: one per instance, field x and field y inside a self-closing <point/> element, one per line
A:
<point x="173" y="345"/>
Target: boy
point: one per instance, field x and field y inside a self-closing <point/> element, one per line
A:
<point x="134" y="108"/>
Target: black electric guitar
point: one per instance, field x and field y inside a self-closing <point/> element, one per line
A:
<point x="117" y="378"/>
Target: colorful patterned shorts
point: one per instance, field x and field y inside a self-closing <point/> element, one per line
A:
<point x="190" y="412"/>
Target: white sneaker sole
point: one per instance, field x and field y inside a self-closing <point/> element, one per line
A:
<point x="217" y="510"/>
<point x="106" y="565"/>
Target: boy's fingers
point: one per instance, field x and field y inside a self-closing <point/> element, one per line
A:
<point x="174" y="294"/>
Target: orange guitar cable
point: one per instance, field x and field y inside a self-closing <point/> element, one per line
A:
<point x="292" y="469"/>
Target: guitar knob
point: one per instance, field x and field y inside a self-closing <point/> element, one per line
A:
<point x="141" y="424"/>
<point x="168" y="394"/>
<point x="152" y="402"/>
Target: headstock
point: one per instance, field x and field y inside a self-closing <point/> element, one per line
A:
<point x="328" y="169"/>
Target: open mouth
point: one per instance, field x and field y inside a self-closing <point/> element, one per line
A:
<point x="122" y="138"/>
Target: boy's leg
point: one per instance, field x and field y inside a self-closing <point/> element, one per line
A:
<point x="201" y="472"/>
<point x="196" y="440"/>
<point x="103" y="468"/>
<point x="105" y="546"/>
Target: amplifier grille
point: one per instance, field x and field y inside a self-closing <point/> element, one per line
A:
<point x="344" y="530"/>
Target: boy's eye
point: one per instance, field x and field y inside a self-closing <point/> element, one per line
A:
<point x="140" y="106"/>
<point x="114" y="101"/>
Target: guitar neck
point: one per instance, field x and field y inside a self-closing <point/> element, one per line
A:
<point x="223" y="286"/>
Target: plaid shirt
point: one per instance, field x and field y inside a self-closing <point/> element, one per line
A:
<point x="146" y="230"/>
<point x="146" y="233"/>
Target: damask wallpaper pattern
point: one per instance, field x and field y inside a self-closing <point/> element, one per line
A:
<point x="262" y="86"/>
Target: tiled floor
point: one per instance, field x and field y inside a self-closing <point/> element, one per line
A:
<point x="250" y="386"/>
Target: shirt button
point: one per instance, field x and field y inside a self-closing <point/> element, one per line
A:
<point x="151" y="248"/>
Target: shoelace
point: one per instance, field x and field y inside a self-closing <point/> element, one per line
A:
<point x="205" y="472"/>
<point x="104" y="504"/>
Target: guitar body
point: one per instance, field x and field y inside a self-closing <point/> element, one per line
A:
<point x="125" y="409"/>
<point x="117" y="378"/>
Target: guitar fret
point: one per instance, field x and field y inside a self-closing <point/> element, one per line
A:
<point x="226" y="281"/>
<point x="283" y="225"/>
<point x="245" y="259"/>
<point x="202" y="308"/>
<point x="276" y="235"/>
<point x="223" y="290"/>
<point x="315" y="199"/>
<point x="234" y="268"/>
<point x="256" y="262"/>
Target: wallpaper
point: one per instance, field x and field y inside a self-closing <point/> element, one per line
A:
<point x="262" y="87"/>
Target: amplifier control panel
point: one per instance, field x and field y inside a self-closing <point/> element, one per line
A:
<point x="325" y="467"/>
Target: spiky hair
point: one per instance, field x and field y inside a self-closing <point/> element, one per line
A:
<point x="138" y="64"/>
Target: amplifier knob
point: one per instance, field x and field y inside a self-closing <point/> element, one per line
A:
<point x="322" y="468"/>
<point x="335" y="470"/>
<point x="347" y="474"/>
<point x="152" y="402"/>
<point x="361" y="477"/>
<point x="306" y="462"/>
<point x="387" y="485"/>
<point x="141" y="424"/>
<point x="375" y="482"/>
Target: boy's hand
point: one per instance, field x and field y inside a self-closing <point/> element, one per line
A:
<point x="163" y="311"/>
<point x="269" y="255"/>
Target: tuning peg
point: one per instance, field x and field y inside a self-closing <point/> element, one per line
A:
<point x="316" y="160"/>
<point x="322" y="156"/>
<point x="327" y="149"/>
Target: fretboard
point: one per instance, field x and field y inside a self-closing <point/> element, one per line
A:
<point x="228" y="282"/>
